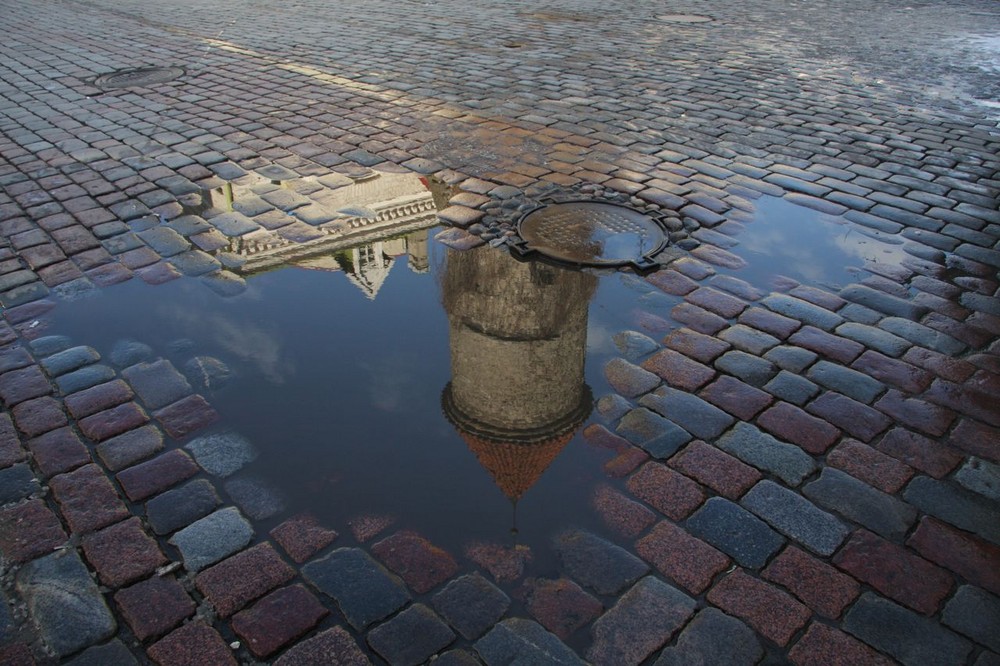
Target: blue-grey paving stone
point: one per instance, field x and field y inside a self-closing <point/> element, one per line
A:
<point x="50" y="344"/>
<point x="255" y="497"/>
<point x="975" y="613"/>
<point x="981" y="302"/>
<point x="922" y="335"/>
<point x="471" y="604"/>
<point x="362" y="588"/>
<point x="628" y="379"/>
<point x="612" y="407"/>
<point x="456" y="658"/>
<point x="222" y="454"/>
<point x="189" y="225"/>
<point x="640" y="623"/>
<point x="792" y="359"/>
<point x="209" y="539"/>
<point x="911" y="638"/>
<point x="181" y="506"/>
<point x="851" y="383"/>
<point x="520" y="641"/>
<point x="234" y="224"/>
<point x="157" y="384"/>
<point x="16" y="279"/>
<point x="789" y="463"/>
<point x="754" y="370"/>
<point x="224" y="283"/>
<point x="659" y="437"/>
<point x="796" y="517"/>
<point x="792" y="388"/>
<point x="84" y="378"/>
<point x="883" y="302"/>
<point x="113" y="653"/>
<point x="165" y="242"/>
<point x="690" y="412"/>
<point x="286" y="200"/>
<point x="860" y="314"/>
<point x="955" y="505"/>
<point x="634" y="345"/>
<point x="874" y="338"/>
<point x="27" y="293"/>
<point x="129" y="448"/>
<point x="803" y="311"/>
<point x="857" y="501"/>
<point x="988" y="659"/>
<point x="74" y="289"/>
<point x="596" y="563"/>
<point x="713" y="638"/>
<point x="129" y="352"/>
<point x="748" y="339"/>
<point x="981" y="477"/>
<point x="736" y="532"/>
<point x="981" y="254"/>
<point x="64" y="603"/>
<point x="207" y="372"/>
<point x="17" y="482"/>
<point x="411" y="637"/>
<point x="7" y="625"/>
<point x="251" y="206"/>
<point x="69" y="360"/>
<point x="195" y="262"/>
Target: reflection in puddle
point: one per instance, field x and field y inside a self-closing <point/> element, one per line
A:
<point x="787" y="239"/>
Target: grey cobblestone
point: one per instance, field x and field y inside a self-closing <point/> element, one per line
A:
<point x="954" y="505"/>
<point x="856" y="500"/>
<point x="713" y="637"/>
<point x="736" y="532"/>
<point x="688" y="411"/>
<point x="851" y="383"/>
<point x="761" y="450"/>
<point x="795" y="517"/>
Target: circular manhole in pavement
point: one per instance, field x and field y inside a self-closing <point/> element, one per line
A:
<point x="684" y="18"/>
<point x="138" y="77"/>
<point x="591" y="233"/>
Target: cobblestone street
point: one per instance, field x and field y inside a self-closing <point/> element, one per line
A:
<point x="795" y="470"/>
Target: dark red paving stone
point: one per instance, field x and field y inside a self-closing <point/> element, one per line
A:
<point x="28" y="530"/>
<point x="849" y="415"/>
<point x="16" y="654"/>
<point x="504" y="563"/>
<point x="98" y="398"/>
<point x="58" y="451"/>
<point x="367" y="526"/>
<point x="28" y="311"/>
<point x="622" y="515"/>
<point x="15" y="359"/>
<point x="109" y="274"/>
<point x="186" y="416"/>
<point x="739" y="399"/>
<point x="824" y="299"/>
<point x="769" y="610"/>
<point x="194" y="644"/>
<point x="60" y="273"/>
<point x="900" y="374"/>
<point x="302" y="537"/>
<point x="965" y="399"/>
<point x="138" y="258"/>
<point x="698" y="319"/>
<point x="827" y="344"/>
<point x="792" y="424"/>
<point x="672" y="494"/>
<point x="718" y="257"/>
<point x="777" y="325"/>
<point x="871" y="466"/>
<point x="23" y="384"/>
<point x="651" y="323"/>
<point x="422" y="565"/>
<point x="114" y="421"/>
<point x="10" y="444"/>
<point x="945" y="367"/>
<point x="333" y="646"/>
<point x="672" y="282"/>
<point x="597" y="435"/>
<point x="926" y="455"/>
<point x="87" y="499"/>
<point x="123" y="553"/>
<point x="895" y="571"/>
<point x="158" y="273"/>
<point x="696" y="345"/>
<point x="38" y="416"/>
<point x="688" y="561"/>
<point x="716" y="301"/>
<point x="825" y="646"/>
<point x="723" y="473"/>
<point x="679" y="370"/>
<point x="817" y="584"/>
<point x="154" y="606"/>
<point x="278" y="619"/>
<point x="233" y="583"/>
<point x="154" y="476"/>
<point x="625" y="462"/>
<point x="629" y="380"/>
<point x="976" y="438"/>
<point x="561" y="606"/>
<point x="970" y="557"/>
<point x="915" y="414"/>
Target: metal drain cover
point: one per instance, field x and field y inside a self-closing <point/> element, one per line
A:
<point x="138" y="77"/>
<point x="591" y="233"/>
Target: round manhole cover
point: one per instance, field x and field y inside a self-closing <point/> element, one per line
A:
<point x="138" y="77"/>
<point x="684" y="18"/>
<point x="592" y="233"/>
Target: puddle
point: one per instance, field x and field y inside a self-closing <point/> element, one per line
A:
<point x="814" y="248"/>
<point x="398" y="377"/>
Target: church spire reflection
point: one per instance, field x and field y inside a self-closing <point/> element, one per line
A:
<point x="518" y="334"/>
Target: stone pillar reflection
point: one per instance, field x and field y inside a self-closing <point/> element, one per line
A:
<point x="518" y="334"/>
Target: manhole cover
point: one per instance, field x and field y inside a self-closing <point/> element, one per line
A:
<point x="591" y="233"/>
<point x="138" y="77"/>
<point x="683" y="18"/>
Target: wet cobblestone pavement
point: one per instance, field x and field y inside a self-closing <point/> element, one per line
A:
<point x="797" y="469"/>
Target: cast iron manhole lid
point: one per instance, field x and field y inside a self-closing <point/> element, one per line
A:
<point x="138" y="77"/>
<point x="591" y="233"/>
